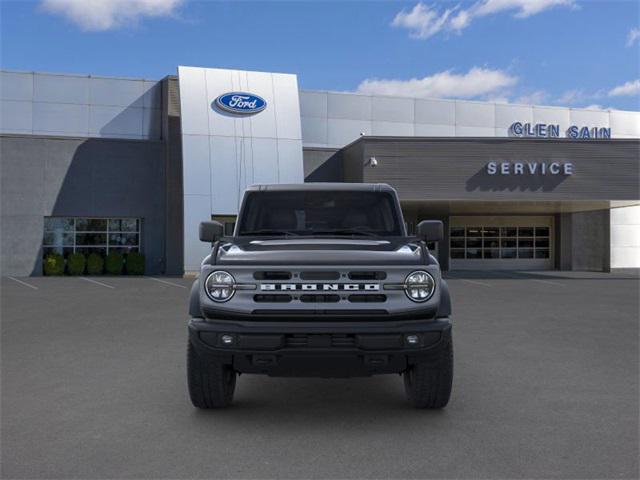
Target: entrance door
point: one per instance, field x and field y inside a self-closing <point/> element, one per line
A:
<point x="507" y="243"/>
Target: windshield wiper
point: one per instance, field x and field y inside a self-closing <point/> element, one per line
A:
<point x="346" y="231"/>
<point x="266" y="231"/>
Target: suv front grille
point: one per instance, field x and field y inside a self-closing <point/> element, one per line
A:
<point x="320" y="341"/>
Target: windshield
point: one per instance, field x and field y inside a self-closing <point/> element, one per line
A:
<point x="354" y="213"/>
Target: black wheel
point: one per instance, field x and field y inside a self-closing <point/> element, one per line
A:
<point x="211" y="384"/>
<point x="428" y="384"/>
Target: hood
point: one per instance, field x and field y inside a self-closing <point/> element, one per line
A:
<point x="320" y="251"/>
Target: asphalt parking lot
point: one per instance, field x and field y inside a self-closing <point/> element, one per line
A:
<point x="546" y="386"/>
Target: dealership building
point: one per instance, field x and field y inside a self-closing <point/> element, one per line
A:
<point x="101" y="164"/>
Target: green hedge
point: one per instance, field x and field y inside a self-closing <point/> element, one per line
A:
<point x="53" y="264"/>
<point x="113" y="263"/>
<point x="135" y="263"/>
<point x="95" y="264"/>
<point x="76" y="263"/>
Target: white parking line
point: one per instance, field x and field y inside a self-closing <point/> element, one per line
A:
<point x="167" y="283"/>
<point x="97" y="282"/>
<point x="475" y="282"/>
<point x="24" y="283"/>
<point x="548" y="282"/>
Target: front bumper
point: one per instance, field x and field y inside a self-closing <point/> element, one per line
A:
<point x="319" y="349"/>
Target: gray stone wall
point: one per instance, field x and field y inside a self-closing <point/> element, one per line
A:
<point x="54" y="176"/>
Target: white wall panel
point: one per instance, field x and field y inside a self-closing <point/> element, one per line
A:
<point x="196" y="179"/>
<point x="592" y="118"/>
<point x="625" y="237"/>
<point x="425" y="130"/>
<point x="470" y="114"/>
<point x="285" y="88"/>
<point x="462" y="131"/>
<point x="61" y="118"/>
<point x="229" y="159"/>
<point x="313" y="104"/>
<point x="435" y="112"/>
<point x="349" y="106"/>
<point x="197" y="209"/>
<point x="263" y="124"/>
<point x="60" y="89"/>
<point x="554" y="116"/>
<point x="16" y="117"/>
<point x="392" y="129"/>
<point x="194" y="103"/>
<point x="108" y="121"/>
<point x="506" y="115"/>
<point x="290" y="169"/>
<point x="16" y="86"/>
<point x="342" y="132"/>
<point x="265" y="160"/>
<point x="624" y="123"/>
<point x="116" y="92"/>
<point x="314" y="130"/>
<point x="389" y="109"/>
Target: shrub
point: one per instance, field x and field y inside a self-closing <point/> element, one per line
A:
<point x="135" y="263"/>
<point x="95" y="264"/>
<point x="53" y="264"/>
<point x="113" y="263"/>
<point x="76" y="263"/>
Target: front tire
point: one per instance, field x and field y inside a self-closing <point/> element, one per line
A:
<point x="211" y="384"/>
<point x="428" y="384"/>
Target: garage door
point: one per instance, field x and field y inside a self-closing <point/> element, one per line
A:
<point x="507" y="243"/>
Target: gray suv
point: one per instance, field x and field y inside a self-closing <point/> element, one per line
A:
<point x="320" y="280"/>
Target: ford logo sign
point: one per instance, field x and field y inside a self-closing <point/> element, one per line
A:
<point x="240" y="103"/>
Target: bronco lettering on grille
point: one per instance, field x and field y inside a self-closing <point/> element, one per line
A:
<point x="324" y="287"/>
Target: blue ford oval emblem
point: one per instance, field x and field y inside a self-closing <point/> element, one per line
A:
<point x="241" y="103"/>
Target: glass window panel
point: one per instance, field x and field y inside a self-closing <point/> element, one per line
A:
<point x="542" y="242"/>
<point x="525" y="231"/>
<point x="91" y="239"/>
<point x="542" y="231"/>
<point x="91" y="224"/>
<point x="491" y="253"/>
<point x="474" y="242"/>
<point x="491" y="242"/>
<point x="118" y="239"/>
<point x="525" y="253"/>
<point x="474" y="253"/>
<point x="58" y="223"/>
<point x="123" y="225"/>
<point x="457" y="243"/>
<point x="474" y="231"/>
<point x="457" y="231"/>
<point x="508" y="243"/>
<point x="491" y="231"/>
<point x="508" y="231"/>
<point x="58" y="237"/>
<point x="542" y="253"/>
<point x="457" y="253"/>
<point x="508" y="253"/>
<point x="525" y="243"/>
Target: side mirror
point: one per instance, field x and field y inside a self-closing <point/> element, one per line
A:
<point x="430" y="230"/>
<point x="211" y="231"/>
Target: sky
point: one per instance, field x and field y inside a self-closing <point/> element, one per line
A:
<point x="547" y="52"/>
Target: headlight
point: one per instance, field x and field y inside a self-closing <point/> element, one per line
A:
<point x="419" y="286"/>
<point x="220" y="286"/>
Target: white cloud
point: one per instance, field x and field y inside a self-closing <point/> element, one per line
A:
<point x="100" y="15"/>
<point x="595" y="106"/>
<point x="424" y="22"/>
<point x="633" y="36"/>
<point x="475" y="83"/>
<point x="539" y="97"/>
<point x="632" y="87"/>
<point x="421" y="21"/>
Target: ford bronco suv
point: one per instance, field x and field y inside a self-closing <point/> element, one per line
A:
<point x="320" y="279"/>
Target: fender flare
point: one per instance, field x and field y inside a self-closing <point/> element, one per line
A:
<point x="444" y="309"/>
<point x="194" y="300"/>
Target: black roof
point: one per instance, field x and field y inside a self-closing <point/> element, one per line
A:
<point x="322" y="187"/>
